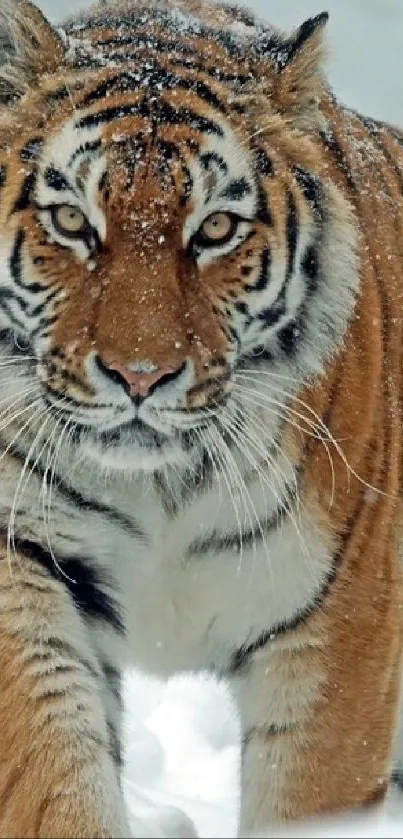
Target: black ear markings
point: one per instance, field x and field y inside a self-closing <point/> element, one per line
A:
<point x="299" y="39"/>
<point x="305" y="32"/>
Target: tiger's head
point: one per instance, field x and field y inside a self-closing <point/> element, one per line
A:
<point x="169" y="237"/>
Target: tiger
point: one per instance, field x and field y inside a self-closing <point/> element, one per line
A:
<point x="201" y="406"/>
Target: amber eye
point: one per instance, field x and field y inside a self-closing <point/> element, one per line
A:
<point x="69" y="221"/>
<point x="217" y="229"/>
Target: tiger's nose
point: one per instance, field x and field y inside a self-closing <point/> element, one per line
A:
<point x="138" y="384"/>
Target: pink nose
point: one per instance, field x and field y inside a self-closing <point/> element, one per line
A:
<point x="139" y="384"/>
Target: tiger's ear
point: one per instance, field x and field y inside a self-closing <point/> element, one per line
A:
<point x="29" y="48"/>
<point x="299" y="79"/>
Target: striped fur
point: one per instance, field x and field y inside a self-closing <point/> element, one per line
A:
<point x="201" y="437"/>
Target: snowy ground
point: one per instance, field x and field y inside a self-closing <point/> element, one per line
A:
<point x="182" y="739"/>
<point x="182" y="750"/>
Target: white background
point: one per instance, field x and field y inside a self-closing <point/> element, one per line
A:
<point x="182" y="746"/>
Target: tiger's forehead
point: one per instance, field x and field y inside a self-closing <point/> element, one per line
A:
<point x="145" y="159"/>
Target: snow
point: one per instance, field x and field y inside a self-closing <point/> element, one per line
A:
<point x="192" y="762"/>
<point x="182" y="744"/>
<point x="182" y="750"/>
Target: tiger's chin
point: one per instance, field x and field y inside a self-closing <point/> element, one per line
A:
<point x="133" y="456"/>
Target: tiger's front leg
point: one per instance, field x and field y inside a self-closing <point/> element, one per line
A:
<point x="319" y="710"/>
<point x="57" y="776"/>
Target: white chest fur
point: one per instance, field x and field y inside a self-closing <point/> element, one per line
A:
<point x="190" y="612"/>
<point x="191" y="599"/>
<point x="190" y="596"/>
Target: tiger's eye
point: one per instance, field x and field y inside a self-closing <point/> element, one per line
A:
<point x="217" y="227"/>
<point x="69" y="221"/>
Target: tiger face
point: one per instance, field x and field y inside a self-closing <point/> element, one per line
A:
<point x="156" y="252"/>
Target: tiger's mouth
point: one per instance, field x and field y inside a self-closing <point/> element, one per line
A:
<point x="137" y="431"/>
<point x="135" y="445"/>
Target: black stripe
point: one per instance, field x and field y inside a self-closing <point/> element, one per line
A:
<point x="15" y="261"/>
<point x="310" y="267"/>
<point x="202" y="90"/>
<point x="292" y="234"/>
<point x="85" y="60"/>
<point x="218" y="543"/>
<point x="95" y="61"/>
<point x="113" y="677"/>
<point x="243" y="309"/>
<point x="120" y="82"/>
<point x="263" y="163"/>
<point x="243" y="655"/>
<point x="148" y="42"/>
<point x="59" y="95"/>
<point x="3" y="175"/>
<point x="53" y="645"/>
<point x="36" y="311"/>
<point x="15" y="265"/>
<point x="342" y="162"/>
<point x="82" y="581"/>
<point x="214" y="72"/>
<point x="7" y="294"/>
<point x="169" y="24"/>
<point x="187" y="186"/>
<point x="312" y="190"/>
<point x="154" y="77"/>
<point x="91" y="505"/>
<point x="262" y="210"/>
<point x="85" y="148"/>
<point x="272" y="314"/>
<point x="290" y="335"/>
<point x="24" y="198"/>
<point x="159" y="111"/>
<point x="333" y="146"/>
<point x="167" y="149"/>
<point x="55" y="179"/>
<point x="271" y="730"/>
<point x="19" y="326"/>
<point x="211" y="157"/>
<point x="43" y="327"/>
<point x="264" y="273"/>
<point x="209" y="382"/>
<point x="55" y="352"/>
<point x="236" y="190"/>
<point x="115" y="746"/>
<point x="68" y="400"/>
<point x="103" y="184"/>
<point x="163" y="489"/>
<point x="77" y="499"/>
